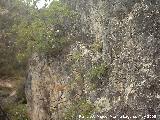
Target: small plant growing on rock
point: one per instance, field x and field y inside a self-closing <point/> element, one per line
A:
<point x="96" y="73"/>
<point x="79" y="108"/>
<point x="97" y="46"/>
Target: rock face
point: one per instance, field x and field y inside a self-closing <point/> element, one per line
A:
<point x="122" y="35"/>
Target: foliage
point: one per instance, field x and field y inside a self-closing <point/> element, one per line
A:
<point x="42" y="30"/>
<point x="81" y="107"/>
<point x="76" y="56"/>
<point x="97" y="72"/>
<point x="8" y="62"/>
<point x="97" y="46"/>
<point x="17" y="112"/>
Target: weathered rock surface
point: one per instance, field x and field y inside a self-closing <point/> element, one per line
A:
<point x="129" y="31"/>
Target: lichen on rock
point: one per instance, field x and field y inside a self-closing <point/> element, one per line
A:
<point x="129" y="33"/>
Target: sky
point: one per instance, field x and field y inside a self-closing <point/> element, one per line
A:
<point x="41" y="3"/>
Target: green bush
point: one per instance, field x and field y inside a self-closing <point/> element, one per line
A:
<point x="42" y="31"/>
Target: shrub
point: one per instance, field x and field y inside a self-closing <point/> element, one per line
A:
<point x="42" y="31"/>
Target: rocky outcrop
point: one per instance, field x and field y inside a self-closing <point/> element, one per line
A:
<point x="119" y="54"/>
<point x="45" y="88"/>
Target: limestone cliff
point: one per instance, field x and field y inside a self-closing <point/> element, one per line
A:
<point x="115" y="64"/>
